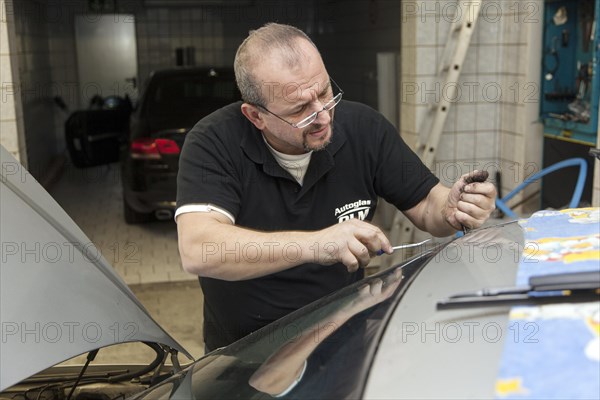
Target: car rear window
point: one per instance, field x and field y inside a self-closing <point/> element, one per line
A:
<point x="183" y="94"/>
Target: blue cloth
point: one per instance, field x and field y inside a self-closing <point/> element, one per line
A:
<point x="553" y="351"/>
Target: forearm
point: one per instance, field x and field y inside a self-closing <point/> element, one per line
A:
<point x="211" y="246"/>
<point x="430" y="214"/>
<point x="229" y="252"/>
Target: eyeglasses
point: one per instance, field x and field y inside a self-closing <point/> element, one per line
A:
<point x="312" y="117"/>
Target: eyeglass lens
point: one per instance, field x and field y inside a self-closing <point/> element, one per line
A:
<point x="326" y="107"/>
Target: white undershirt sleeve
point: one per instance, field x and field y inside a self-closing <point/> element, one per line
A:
<point x="189" y="208"/>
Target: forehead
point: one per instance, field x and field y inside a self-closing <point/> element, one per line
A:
<point x="293" y="83"/>
<point x="297" y="91"/>
<point x="294" y="89"/>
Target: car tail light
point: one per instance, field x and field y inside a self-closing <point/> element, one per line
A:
<point x="148" y="148"/>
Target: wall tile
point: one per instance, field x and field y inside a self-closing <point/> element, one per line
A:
<point x="465" y="146"/>
<point x="491" y="89"/>
<point x="470" y="62"/>
<point x="487" y="117"/>
<point x="424" y="28"/>
<point x="511" y="27"/>
<point x="507" y="118"/>
<point x="511" y="175"/>
<point x="408" y="31"/>
<point x="489" y="29"/>
<point x="5" y="69"/>
<point x="469" y="88"/>
<point x="408" y="56"/>
<point x="407" y="116"/>
<point x="447" y="171"/>
<point x="7" y="90"/>
<point x="510" y="58"/>
<point x="44" y="45"/>
<point x="450" y="124"/>
<point x="443" y="31"/>
<point x="446" y="147"/>
<point x="506" y="146"/>
<point x="9" y="136"/>
<point x="465" y="118"/>
<point x="421" y="111"/>
<point x="426" y="57"/>
<point x="485" y="146"/>
<point x="4" y="46"/>
<point x="487" y="61"/>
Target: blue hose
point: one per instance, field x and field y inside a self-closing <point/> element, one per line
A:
<point x="571" y="162"/>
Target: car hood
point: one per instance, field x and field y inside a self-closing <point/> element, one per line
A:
<point x="59" y="296"/>
<point x="351" y="358"/>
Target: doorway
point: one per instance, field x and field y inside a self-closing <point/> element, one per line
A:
<point x="106" y="56"/>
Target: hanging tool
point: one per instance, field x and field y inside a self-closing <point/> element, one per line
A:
<point x="586" y="15"/>
<point x="581" y="107"/>
<point x="551" y="60"/>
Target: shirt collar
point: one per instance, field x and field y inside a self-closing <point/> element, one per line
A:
<point x="255" y="148"/>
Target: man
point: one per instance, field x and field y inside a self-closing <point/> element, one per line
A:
<point x="274" y="193"/>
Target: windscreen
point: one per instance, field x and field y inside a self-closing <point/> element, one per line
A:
<point x="322" y="351"/>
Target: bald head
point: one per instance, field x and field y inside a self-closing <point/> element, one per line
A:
<point x="272" y="43"/>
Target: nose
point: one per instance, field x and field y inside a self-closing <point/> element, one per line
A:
<point x="326" y="119"/>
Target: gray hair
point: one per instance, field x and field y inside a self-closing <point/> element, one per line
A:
<point x="261" y="43"/>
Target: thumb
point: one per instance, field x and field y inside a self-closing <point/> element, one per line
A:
<point x="456" y="191"/>
<point x="466" y="179"/>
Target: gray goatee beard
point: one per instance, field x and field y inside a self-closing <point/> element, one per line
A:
<point x="320" y="146"/>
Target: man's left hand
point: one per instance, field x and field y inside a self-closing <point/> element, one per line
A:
<point x="469" y="205"/>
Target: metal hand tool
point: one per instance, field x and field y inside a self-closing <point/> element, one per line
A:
<point x="404" y="246"/>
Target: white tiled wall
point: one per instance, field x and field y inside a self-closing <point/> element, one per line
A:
<point x="160" y="31"/>
<point x="43" y="66"/>
<point x="11" y="121"/>
<point x="489" y="125"/>
<point x="31" y="48"/>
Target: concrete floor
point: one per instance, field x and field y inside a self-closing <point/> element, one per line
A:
<point x="141" y="254"/>
<point x="144" y="255"/>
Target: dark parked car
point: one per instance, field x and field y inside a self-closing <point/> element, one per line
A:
<point x="171" y="104"/>
<point x="447" y="323"/>
<point x="95" y="136"/>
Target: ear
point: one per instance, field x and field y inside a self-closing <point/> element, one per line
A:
<point x="253" y="114"/>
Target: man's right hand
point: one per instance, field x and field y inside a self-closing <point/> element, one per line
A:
<point x="352" y="242"/>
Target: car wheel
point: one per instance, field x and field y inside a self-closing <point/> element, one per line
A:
<point x="134" y="217"/>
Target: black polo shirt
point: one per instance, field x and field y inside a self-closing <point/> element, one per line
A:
<point x="225" y="162"/>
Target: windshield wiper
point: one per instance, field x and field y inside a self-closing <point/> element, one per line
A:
<point x="571" y="287"/>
